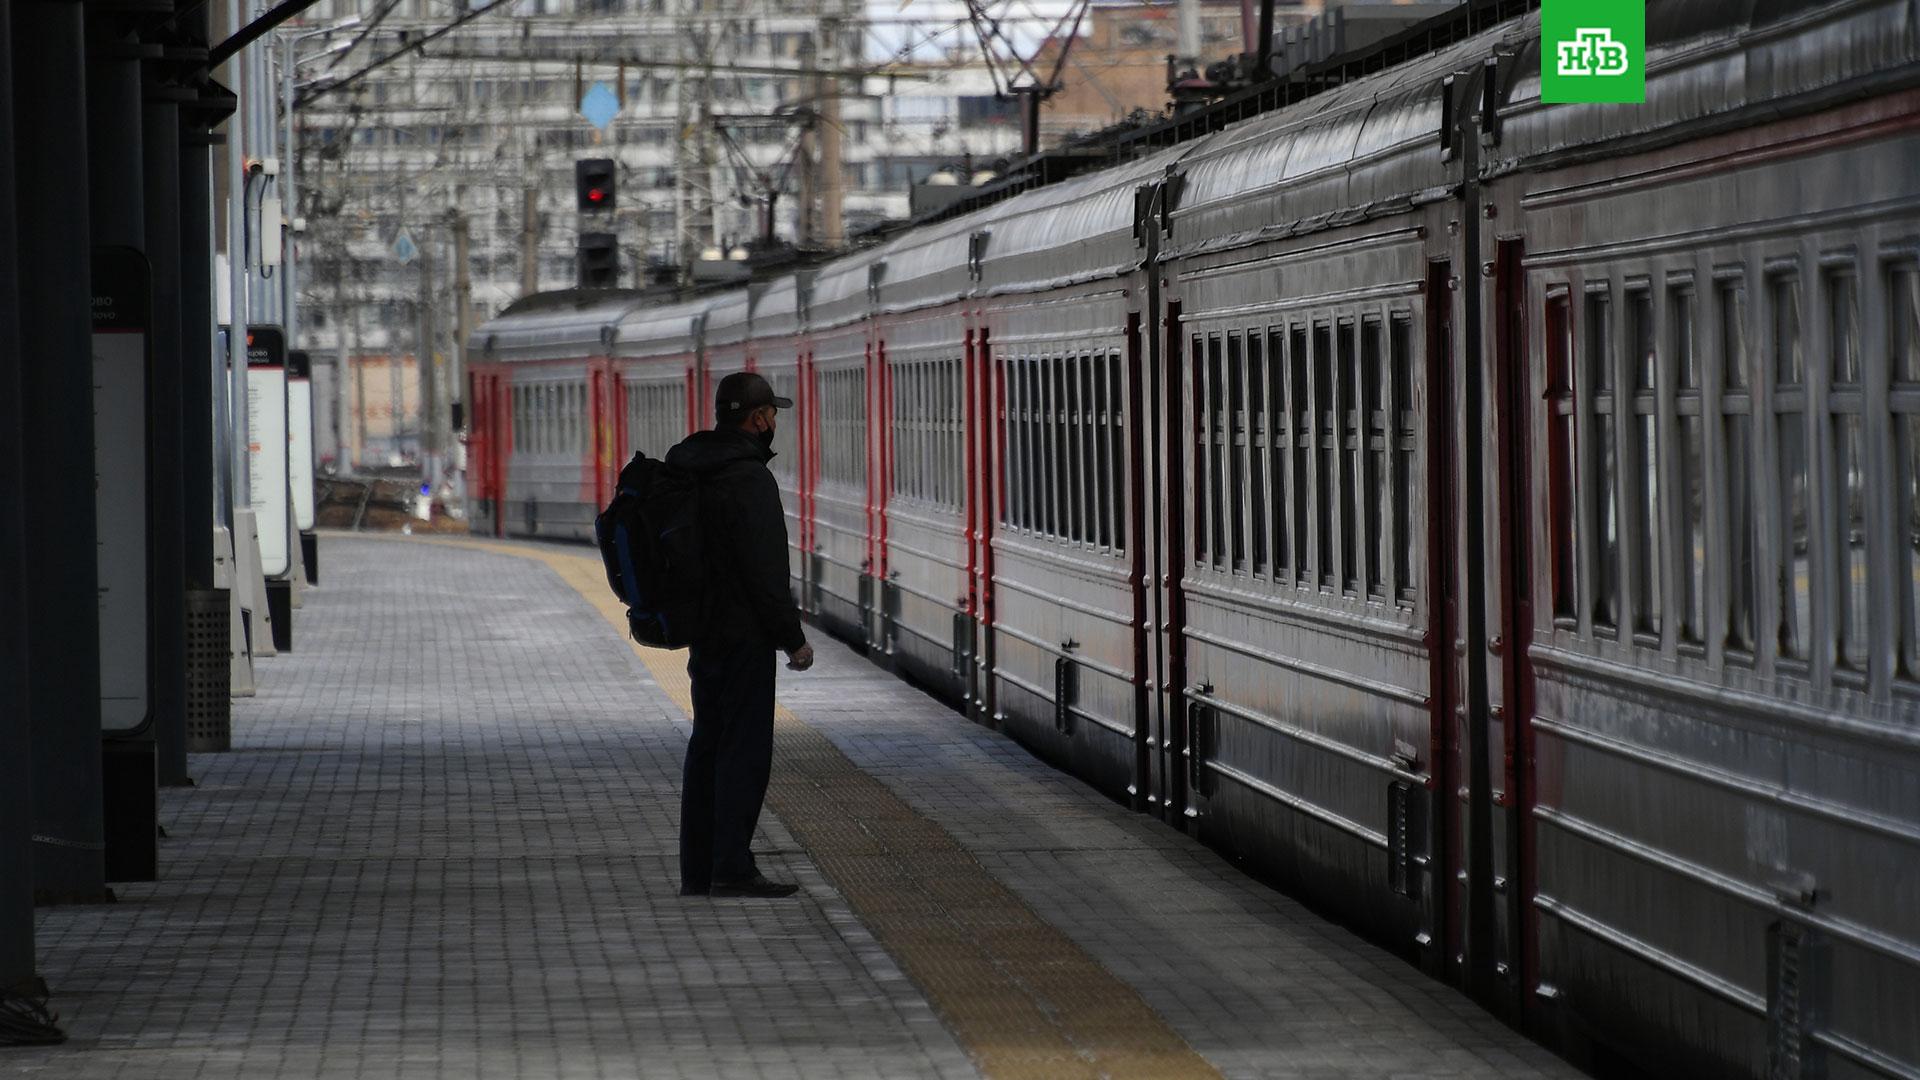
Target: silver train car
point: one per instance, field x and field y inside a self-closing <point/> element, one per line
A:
<point x="1495" y="522"/>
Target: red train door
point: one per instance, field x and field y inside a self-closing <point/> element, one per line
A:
<point x="604" y="443"/>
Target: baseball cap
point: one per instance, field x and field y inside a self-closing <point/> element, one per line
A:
<point x="744" y="391"/>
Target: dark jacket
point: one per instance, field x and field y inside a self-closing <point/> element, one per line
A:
<point x="747" y="531"/>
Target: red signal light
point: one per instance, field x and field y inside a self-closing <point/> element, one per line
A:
<point x="596" y="195"/>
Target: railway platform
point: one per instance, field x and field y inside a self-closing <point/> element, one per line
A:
<point x="444" y="845"/>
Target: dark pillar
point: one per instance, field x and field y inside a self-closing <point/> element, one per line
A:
<point x="116" y="203"/>
<point x="167" y="520"/>
<point x="63" y="705"/>
<point x="195" y="275"/>
<point x="20" y="996"/>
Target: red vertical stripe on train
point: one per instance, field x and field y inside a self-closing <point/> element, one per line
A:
<point x="970" y="424"/>
<point x="886" y="458"/>
<point x="866" y="442"/>
<point x="1516" y="562"/>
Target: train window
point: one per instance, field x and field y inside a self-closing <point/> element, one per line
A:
<point x="1216" y="452"/>
<point x="1691" y="462"/>
<point x="1012" y="455"/>
<point x="1849" y="481"/>
<point x="1602" y="507"/>
<point x="958" y="467"/>
<point x="1072" y="428"/>
<point x="1301" y="409"/>
<point x="1236" y="448"/>
<point x="1373" y="420"/>
<point x="1066" y="459"/>
<point x="1042" y="449"/>
<point x="1030" y="449"/>
<point x="902" y="425"/>
<point x="1736" y="409"/>
<point x="1790" y="409"/>
<point x="1903" y="340"/>
<point x="1561" y="450"/>
<point x="1325" y="451"/>
<point x="1278" y="443"/>
<point x="1093" y="392"/>
<point x="1406" y="435"/>
<point x="1030" y="414"/>
<point x="1648" y="561"/>
<point x="1257" y="450"/>
<point x="1350" y="451"/>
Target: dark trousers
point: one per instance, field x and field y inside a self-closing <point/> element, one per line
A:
<point x="728" y="761"/>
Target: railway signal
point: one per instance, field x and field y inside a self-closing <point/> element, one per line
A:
<point x="593" y="184"/>
<point x="599" y="261"/>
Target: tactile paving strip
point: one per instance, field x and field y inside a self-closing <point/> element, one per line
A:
<point x="1020" y="995"/>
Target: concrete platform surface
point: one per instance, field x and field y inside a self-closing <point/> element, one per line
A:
<point x="445" y="846"/>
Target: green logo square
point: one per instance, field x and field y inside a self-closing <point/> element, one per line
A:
<point x="1593" y="50"/>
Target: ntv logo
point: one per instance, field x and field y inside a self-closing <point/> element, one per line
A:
<point x="1593" y="52"/>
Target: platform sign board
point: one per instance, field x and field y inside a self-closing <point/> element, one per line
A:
<point x="300" y="437"/>
<point x="122" y="318"/>
<point x="267" y="449"/>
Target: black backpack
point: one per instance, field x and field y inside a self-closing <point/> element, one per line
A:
<point x="650" y="539"/>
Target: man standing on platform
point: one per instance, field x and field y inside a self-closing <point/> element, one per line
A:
<point x="731" y="663"/>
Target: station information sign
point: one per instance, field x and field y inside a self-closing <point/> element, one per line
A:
<point x="267" y="445"/>
<point x="300" y="437"/>
<point x="122" y="318"/>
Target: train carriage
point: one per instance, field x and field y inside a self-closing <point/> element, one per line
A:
<point x="841" y="357"/>
<point x="779" y="352"/>
<point x="1064" y="336"/>
<point x="662" y="383"/>
<point x="1309" y="256"/>
<point x="923" y="317"/>
<point x="1706" y="330"/>
<point x="542" y="389"/>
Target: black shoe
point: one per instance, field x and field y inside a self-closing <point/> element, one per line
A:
<point x="693" y="890"/>
<point x="757" y="885"/>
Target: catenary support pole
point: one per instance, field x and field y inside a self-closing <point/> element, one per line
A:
<point x="50" y="165"/>
<point x="423" y="358"/>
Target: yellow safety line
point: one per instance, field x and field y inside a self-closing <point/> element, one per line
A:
<point x="1025" y="1001"/>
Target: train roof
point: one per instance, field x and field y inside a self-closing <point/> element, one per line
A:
<point x="664" y="330"/>
<point x="1091" y="216"/>
<point x="1370" y="146"/>
<point x="1716" y="65"/>
<point x="729" y="318"/>
<point x="839" y="294"/>
<point x="779" y="306"/>
<point x="568" y="322"/>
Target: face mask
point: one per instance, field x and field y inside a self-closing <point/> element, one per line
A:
<point x="765" y="435"/>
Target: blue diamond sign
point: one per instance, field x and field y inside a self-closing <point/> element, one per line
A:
<point x="599" y="105"/>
